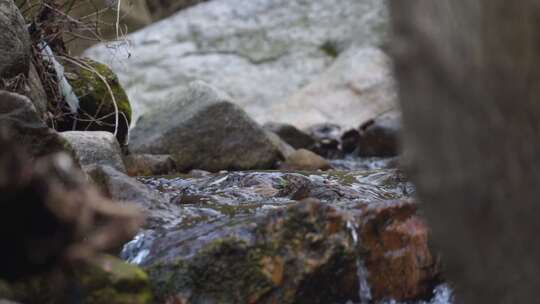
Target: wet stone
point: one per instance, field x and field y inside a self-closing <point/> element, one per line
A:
<point x="285" y="237"/>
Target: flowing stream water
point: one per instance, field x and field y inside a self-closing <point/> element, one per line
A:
<point x="208" y="204"/>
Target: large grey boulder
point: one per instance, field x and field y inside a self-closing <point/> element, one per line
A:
<point x="19" y="116"/>
<point x="96" y="148"/>
<point x="262" y="52"/>
<point x="358" y="86"/>
<point x="202" y="129"/>
<point x="14" y="41"/>
<point x="469" y="76"/>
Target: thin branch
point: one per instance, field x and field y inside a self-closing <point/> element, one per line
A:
<point x="89" y="68"/>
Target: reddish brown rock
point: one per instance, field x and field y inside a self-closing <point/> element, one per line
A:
<point x="398" y="259"/>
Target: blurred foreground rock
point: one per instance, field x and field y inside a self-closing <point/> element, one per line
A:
<point x="48" y="204"/>
<point x="15" y="46"/>
<point x="469" y="83"/>
<point x="103" y="279"/>
<point x="19" y="115"/>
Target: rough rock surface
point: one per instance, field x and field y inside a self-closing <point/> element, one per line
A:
<point x="19" y="115"/>
<point x="202" y="129"/>
<point x="303" y="254"/>
<point x="289" y="257"/>
<point x="246" y="47"/>
<point x="149" y="164"/>
<point x="95" y="148"/>
<point x="244" y="237"/>
<point x="14" y="41"/>
<point x="395" y="240"/>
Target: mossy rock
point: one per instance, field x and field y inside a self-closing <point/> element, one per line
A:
<point x="302" y="254"/>
<point x="96" y="105"/>
<point x="104" y="280"/>
<point x="224" y="271"/>
<point x="109" y="280"/>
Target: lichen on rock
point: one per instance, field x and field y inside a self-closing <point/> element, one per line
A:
<point x="103" y="280"/>
<point x="109" y="280"/>
<point x="98" y="101"/>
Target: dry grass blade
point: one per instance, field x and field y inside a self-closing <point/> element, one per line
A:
<point x="89" y="68"/>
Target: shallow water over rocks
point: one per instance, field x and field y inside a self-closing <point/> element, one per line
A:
<point x="239" y="216"/>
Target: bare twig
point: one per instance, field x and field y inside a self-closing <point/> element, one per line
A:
<point x="89" y="68"/>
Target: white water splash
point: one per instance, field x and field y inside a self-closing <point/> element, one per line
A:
<point x="219" y="181"/>
<point x="140" y="257"/>
<point x="352" y="228"/>
<point x="138" y="245"/>
<point x="441" y="295"/>
<point x="364" y="290"/>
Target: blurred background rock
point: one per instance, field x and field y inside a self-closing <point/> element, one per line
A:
<point x="102" y="15"/>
